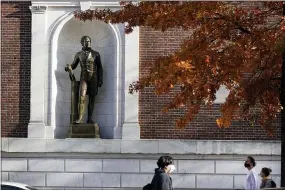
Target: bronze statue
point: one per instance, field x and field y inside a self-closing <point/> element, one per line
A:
<point x="90" y="79"/>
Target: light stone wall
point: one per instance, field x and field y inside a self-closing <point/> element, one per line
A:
<point x="70" y="172"/>
<point x="120" y="164"/>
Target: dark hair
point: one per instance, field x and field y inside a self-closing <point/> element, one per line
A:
<point x="252" y="160"/>
<point x="83" y="37"/>
<point x="164" y="161"/>
<point x="266" y="171"/>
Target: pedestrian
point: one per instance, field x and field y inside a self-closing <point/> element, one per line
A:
<point x="251" y="178"/>
<point x="161" y="179"/>
<point x="266" y="181"/>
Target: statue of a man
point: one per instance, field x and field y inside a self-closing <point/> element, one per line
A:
<point x="90" y="79"/>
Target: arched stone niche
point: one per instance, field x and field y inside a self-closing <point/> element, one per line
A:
<point x="103" y="40"/>
<point x="56" y="38"/>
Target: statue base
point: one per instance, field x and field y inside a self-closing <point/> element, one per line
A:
<point x="84" y="130"/>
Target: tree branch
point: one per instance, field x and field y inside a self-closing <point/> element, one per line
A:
<point x="275" y="78"/>
<point x="239" y="27"/>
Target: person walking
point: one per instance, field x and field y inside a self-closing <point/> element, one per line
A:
<point x="161" y="179"/>
<point x="266" y="181"/>
<point x="251" y="178"/>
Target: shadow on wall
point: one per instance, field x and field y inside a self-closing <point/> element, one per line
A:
<point x="20" y="59"/>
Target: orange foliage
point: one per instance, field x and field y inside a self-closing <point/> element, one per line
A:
<point x="226" y="41"/>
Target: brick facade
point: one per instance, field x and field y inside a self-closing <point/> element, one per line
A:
<point x="157" y="125"/>
<point x="15" y="86"/>
<point x="15" y="68"/>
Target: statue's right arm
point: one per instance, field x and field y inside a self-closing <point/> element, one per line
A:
<point x="75" y="61"/>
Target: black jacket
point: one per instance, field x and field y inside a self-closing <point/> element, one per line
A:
<point x="161" y="180"/>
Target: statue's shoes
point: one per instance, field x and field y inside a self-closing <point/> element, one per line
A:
<point x="90" y="121"/>
<point x="78" y="121"/>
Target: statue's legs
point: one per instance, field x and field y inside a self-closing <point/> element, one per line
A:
<point x="92" y="92"/>
<point x="91" y="108"/>
<point x="81" y="103"/>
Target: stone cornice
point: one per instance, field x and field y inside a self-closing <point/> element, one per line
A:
<point x="93" y="4"/>
<point x="179" y="147"/>
<point x="38" y="9"/>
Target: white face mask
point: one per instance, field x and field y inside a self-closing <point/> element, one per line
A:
<point x="171" y="168"/>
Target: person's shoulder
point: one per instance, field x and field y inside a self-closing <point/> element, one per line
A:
<point x="78" y="53"/>
<point x="253" y="171"/>
<point x="269" y="181"/>
<point x="163" y="176"/>
<point x="95" y="52"/>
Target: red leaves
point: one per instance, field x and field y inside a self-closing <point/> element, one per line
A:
<point x="207" y="60"/>
<point x="226" y="41"/>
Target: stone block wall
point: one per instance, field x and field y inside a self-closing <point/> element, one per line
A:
<point x="128" y="172"/>
<point x="69" y="167"/>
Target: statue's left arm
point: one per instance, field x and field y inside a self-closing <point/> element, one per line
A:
<point x="100" y="70"/>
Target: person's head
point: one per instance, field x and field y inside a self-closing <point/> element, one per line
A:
<point x="265" y="172"/>
<point x="86" y="41"/>
<point x="166" y="163"/>
<point x="250" y="163"/>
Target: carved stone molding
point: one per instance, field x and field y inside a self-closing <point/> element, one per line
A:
<point x="85" y="5"/>
<point x="38" y="9"/>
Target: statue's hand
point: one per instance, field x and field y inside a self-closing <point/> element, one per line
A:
<point x="100" y="84"/>
<point x="68" y="68"/>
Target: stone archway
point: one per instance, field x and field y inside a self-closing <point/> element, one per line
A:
<point x="48" y="21"/>
<point x="65" y="44"/>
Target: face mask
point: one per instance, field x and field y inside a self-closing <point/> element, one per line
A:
<point x="171" y="168"/>
<point x="246" y="165"/>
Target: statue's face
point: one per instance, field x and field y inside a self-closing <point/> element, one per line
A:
<point x="86" y="43"/>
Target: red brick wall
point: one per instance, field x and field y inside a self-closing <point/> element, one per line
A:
<point x="157" y="125"/>
<point x="15" y="85"/>
<point x="15" y="68"/>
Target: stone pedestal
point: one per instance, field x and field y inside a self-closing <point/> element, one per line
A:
<point x="84" y="130"/>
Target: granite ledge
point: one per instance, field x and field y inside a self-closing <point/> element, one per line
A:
<point x="180" y="147"/>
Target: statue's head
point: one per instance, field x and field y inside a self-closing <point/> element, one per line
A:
<point x="86" y="41"/>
